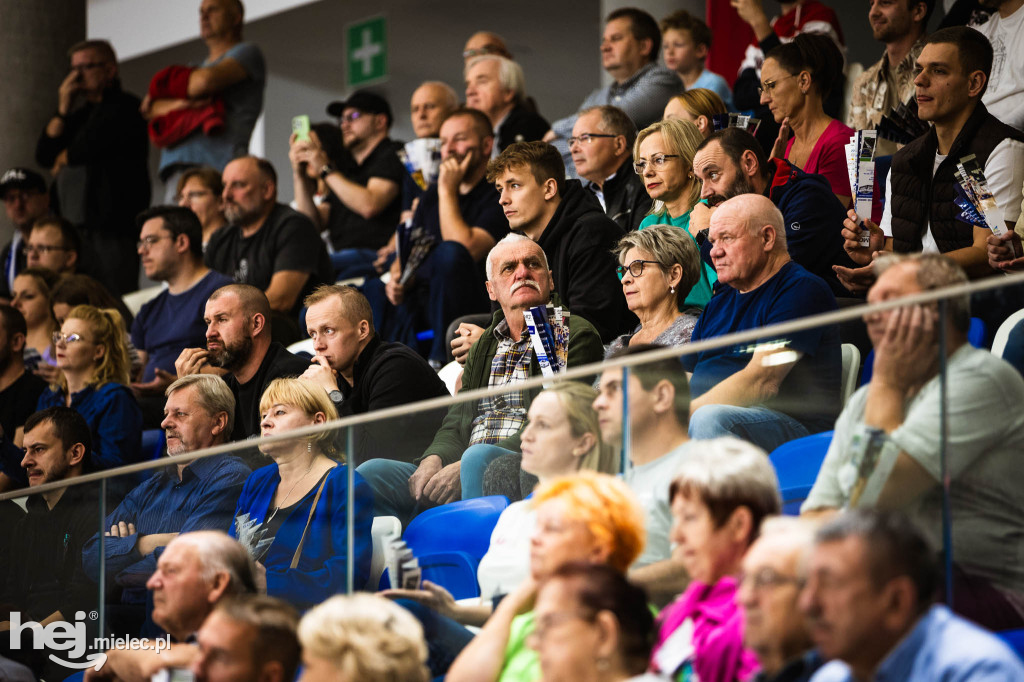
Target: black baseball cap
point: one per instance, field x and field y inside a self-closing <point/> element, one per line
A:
<point x="22" y="178"/>
<point x="363" y="100"/>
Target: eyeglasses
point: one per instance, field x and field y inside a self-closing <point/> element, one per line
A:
<point x="768" y="578"/>
<point x="546" y="623"/>
<point x="193" y="195"/>
<point x="636" y="268"/>
<point x="351" y="116"/>
<point x="586" y="138"/>
<point x="657" y="162"/>
<point x="42" y="248"/>
<point x="87" y="65"/>
<point x="147" y="242"/>
<point x="769" y="86"/>
<point x="59" y="338"/>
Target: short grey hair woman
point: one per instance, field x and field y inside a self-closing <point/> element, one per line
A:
<point x="659" y="266"/>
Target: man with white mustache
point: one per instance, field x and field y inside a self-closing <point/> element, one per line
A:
<point x="474" y="433"/>
<point x="196" y="495"/>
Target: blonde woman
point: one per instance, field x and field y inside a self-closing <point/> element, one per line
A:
<point x="92" y="360"/>
<point x="663" y="158"/>
<point x="698" y="106"/>
<point x="361" y="637"/>
<point x="292" y="513"/>
<point x="561" y="438"/>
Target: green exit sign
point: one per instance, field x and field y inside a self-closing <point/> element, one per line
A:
<point x="366" y="51"/>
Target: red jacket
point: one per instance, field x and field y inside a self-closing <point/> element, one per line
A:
<point x="175" y="126"/>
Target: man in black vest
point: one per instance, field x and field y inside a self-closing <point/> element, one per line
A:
<point x="920" y="211"/>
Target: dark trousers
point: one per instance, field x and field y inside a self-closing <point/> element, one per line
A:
<point x="447" y="285"/>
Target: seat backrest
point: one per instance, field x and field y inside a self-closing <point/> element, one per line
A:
<point x="383" y="528"/>
<point x="851" y="367"/>
<point x="463" y="526"/>
<point x="1003" y="333"/>
<point x="796" y="465"/>
<point x="153" y="442"/>
<point x="977" y="333"/>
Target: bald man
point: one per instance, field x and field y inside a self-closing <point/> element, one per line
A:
<point x="485" y="42"/>
<point x="431" y="103"/>
<point x="779" y="388"/>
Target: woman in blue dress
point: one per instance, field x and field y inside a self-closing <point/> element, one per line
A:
<point x="292" y="513"/>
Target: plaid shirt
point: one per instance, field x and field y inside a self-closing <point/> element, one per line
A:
<point x="881" y="88"/>
<point x="502" y="416"/>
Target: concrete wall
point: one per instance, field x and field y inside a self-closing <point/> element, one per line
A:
<point x="33" y="53"/>
<point x="305" y="56"/>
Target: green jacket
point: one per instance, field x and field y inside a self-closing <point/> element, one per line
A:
<point x="452" y="438"/>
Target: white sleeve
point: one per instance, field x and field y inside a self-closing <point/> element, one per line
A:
<point x="886" y="224"/>
<point x="1004" y="170"/>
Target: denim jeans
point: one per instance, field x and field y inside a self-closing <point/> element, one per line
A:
<point x="474" y="463"/>
<point x="445" y="637"/>
<point x="350" y="263"/>
<point x="761" y="426"/>
<point x="389" y="480"/>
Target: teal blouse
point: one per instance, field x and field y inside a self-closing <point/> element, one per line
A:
<point x="701" y="292"/>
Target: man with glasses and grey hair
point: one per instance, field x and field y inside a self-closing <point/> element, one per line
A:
<point x="601" y="147"/>
<point x="187" y="496"/>
<point x="774" y="573"/>
<point x="887" y="443"/>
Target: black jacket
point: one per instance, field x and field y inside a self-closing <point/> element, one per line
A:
<point x="919" y="199"/>
<point x="626" y="201"/>
<point x="385" y="375"/>
<point x="109" y="141"/>
<point x="578" y="242"/>
<point x="521" y="125"/>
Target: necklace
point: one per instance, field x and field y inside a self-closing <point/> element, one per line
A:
<point x="276" y="509"/>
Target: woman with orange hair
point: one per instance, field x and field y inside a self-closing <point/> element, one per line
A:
<point x="588" y="517"/>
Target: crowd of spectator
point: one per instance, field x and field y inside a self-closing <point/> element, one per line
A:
<point x="644" y="538"/>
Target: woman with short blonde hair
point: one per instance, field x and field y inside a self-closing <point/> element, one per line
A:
<point x="361" y="637"/>
<point x="291" y="514"/>
<point x="659" y="268"/>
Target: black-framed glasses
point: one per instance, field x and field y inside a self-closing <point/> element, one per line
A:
<point x="657" y="162"/>
<point x="31" y="249"/>
<point x="636" y="268"/>
<point x="768" y="578"/>
<point x="587" y="138"/>
<point x="147" y="242"/>
<point x="351" y="116"/>
<point x="769" y="86"/>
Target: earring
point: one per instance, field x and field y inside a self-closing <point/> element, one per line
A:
<point x="671" y="290"/>
<point x="309" y="446"/>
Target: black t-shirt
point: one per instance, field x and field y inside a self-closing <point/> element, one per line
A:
<point x="479" y="208"/>
<point x="18" y="401"/>
<point x="348" y="229"/>
<point x="286" y="241"/>
<point x="278" y="362"/>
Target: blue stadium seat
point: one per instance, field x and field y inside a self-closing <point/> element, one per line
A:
<point x="450" y="540"/>
<point x="1014" y="639"/>
<point x="796" y="464"/>
<point x="153" y="442"/>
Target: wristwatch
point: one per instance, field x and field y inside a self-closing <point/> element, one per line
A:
<point x="327" y="170"/>
<point x="336" y="397"/>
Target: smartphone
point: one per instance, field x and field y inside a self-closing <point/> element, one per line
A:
<point x="300" y="126"/>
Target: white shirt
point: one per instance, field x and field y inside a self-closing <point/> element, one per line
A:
<point x="1005" y="94"/>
